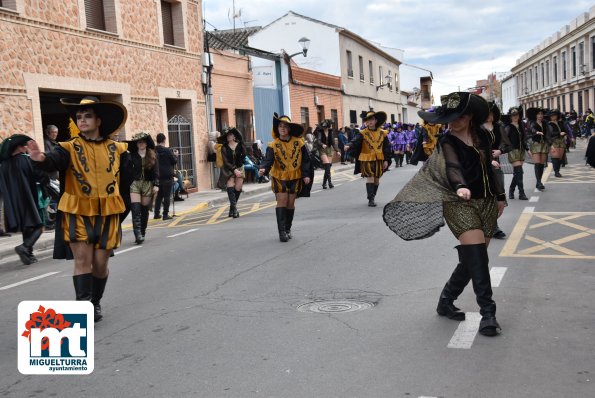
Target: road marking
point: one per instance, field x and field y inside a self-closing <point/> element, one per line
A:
<point x="255" y="207"/>
<point x="315" y="191"/>
<point x="496" y="275"/>
<point x="465" y="333"/>
<point x="528" y="210"/>
<point x="534" y="199"/>
<point x="29" y="280"/>
<point x="183" y="233"/>
<point x="126" y="250"/>
<point x="217" y="214"/>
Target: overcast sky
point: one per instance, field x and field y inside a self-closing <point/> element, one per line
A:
<point x="460" y="41"/>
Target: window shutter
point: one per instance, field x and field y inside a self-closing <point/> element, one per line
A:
<point x="94" y="14"/>
<point x="168" y="26"/>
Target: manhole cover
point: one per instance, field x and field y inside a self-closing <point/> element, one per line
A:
<point x="335" y="306"/>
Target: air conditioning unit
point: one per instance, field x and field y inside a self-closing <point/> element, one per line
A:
<point x="343" y="87"/>
<point x="316" y="100"/>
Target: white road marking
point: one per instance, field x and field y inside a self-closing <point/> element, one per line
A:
<point x="496" y="275"/>
<point x="183" y="233"/>
<point x="536" y="190"/>
<point x="29" y="280"/>
<point x="316" y="191"/>
<point x="127" y="250"/>
<point x="465" y="333"/>
<point x="529" y="210"/>
<point x="534" y="199"/>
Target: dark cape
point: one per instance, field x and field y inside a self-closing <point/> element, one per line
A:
<point x="590" y="154"/>
<point x="18" y="185"/>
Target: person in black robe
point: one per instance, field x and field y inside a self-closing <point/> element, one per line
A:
<point x="19" y="183"/>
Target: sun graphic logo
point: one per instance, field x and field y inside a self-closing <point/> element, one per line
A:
<point x="56" y="337"/>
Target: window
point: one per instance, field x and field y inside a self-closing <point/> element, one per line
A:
<point x="305" y="116"/>
<point x="349" y="64"/>
<point x="536" y="78"/>
<point x="371" y="70"/>
<point x="101" y="15"/>
<point x="244" y="123"/>
<point x="581" y="61"/>
<point x="530" y="81"/>
<point x="361" y="68"/>
<point x="352" y="117"/>
<point x="571" y="96"/>
<point x="573" y="62"/>
<point x="593" y="52"/>
<point x="10" y="4"/>
<point x="391" y="86"/>
<point x="172" y="22"/>
<point x="396" y="83"/>
<point x="542" y="75"/>
<point x="563" y="65"/>
<point x="563" y="102"/>
<point x="380" y="77"/>
<point x="556" y="71"/>
<point x="547" y="72"/>
<point x="335" y="118"/>
<point x="558" y="102"/>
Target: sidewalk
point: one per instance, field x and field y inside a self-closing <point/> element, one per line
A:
<point x="203" y="199"/>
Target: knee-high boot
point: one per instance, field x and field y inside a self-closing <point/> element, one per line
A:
<point x="401" y="156"/>
<point x="513" y="183"/>
<point x="83" y="286"/>
<point x="475" y="259"/>
<point x="556" y="163"/>
<point x="231" y="195"/>
<point x="451" y="291"/>
<point x="289" y="221"/>
<point x="135" y="209"/>
<point x="236" y="214"/>
<point x="144" y="220"/>
<point x="281" y="213"/>
<point x="538" y="175"/>
<point x="518" y="176"/>
<point x="325" y="177"/>
<point x="371" y="194"/>
<point x="327" y="171"/>
<point x="98" y="289"/>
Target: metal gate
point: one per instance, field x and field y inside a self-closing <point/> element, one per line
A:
<point x="180" y="136"/>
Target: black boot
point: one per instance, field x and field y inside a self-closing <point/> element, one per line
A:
<point x="236" y="214"/>
<point x="144" y="220"/>
<point x="556" y="163"/>
<point x="325" y="177"/>
<point x="98" y="289"/>
<point x="288" y="221"/>
<point x="281" y="217"/>
<point x="518" y="176"/>
<point x="401" y="156"/>
<point x="499" y="234"/>
<point x="135" y="209"/>
<point x="513" y="183"/>
<point x="231" y="195"/>
<point x="538" y="174"/>
<point x="371" y="195"/>
<point x="453" y="288"/>
<point x="475" y="258"/>
<point x="328" y="173"/>
<point x="83" y="286"/>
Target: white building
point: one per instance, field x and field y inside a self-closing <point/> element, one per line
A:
<point x="509" y="93"/>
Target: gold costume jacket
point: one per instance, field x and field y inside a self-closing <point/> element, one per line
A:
<point x="372" y="145"/>
<point x="288" y="158"/>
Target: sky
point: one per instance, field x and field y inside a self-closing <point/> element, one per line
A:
<point x="460" y="41"/>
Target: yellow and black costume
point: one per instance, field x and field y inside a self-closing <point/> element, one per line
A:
<point x="90" y="205"/>
<point x="288" y="163"/>
<point x="430" y="135"/>
<point x="371" y="148"/>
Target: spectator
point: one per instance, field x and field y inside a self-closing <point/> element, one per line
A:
<point x="167" y="159"/>
<point x="342" y="137"/>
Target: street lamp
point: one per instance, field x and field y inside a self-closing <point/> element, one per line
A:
<point x="305" y="43"/>
<point x="388" y="79"/>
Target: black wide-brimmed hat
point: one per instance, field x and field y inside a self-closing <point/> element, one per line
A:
<point x="513" y="110"/>
<point x="326" y="123"/>
<point x="142" y="136"/>
<point x="295" y="129"/>
<point x="379" y="116"/>
<point x="222" y="139"/>
<point x="9" y="144"/>
<point x="553" y="112"/>
<point x="112" y="114"/>
<point x="532" y="113"/>
<point x="494" y="110"/>
<point x="455" y="105"/>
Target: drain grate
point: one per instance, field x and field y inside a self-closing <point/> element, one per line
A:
<point x="335" y="306"/>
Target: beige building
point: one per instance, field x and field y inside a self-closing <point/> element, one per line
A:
<point x="559" y="72"/>
<point x="143" y="53"/>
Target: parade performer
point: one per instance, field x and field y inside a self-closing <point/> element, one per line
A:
<point x="88" y="219"/>
<point x="557" y="133"/>
<point x="399" y="145"/>
<point x="288" y="163"/>
<point x="430" y="134"/>
<point x="457" y="184"/>
<point x="515" y="132"/>
<point x="20" y="181"/>
<point x="411" y="139"/>
<point x="539" y="143"/>
<point x="145" y="182"/>
<point x="371" y="149"/>
<point x="231" y="152"/>
<point x="325" y="142"/>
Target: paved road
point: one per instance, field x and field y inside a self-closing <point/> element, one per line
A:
<point x="208" y="307"/>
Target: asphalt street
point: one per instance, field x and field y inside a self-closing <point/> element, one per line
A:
<point x="223" y="309"/>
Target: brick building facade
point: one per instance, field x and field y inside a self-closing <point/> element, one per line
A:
<point x="143" y="53"/>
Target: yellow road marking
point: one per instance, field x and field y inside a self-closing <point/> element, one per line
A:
<point x="217" y="214"/>
<point x="255" y="207"/>
<point x="516" y="235"/>
<point x="542" y="245"/>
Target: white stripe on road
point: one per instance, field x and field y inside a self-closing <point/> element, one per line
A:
<point x="534" y="199"/>
<point x="316" y="191"/>
<point x="528" y="209"/>
<point x="183" y="233"/>
<point x="465" y="333"/>
<point x="127" y="250"/>
<point x="29" y="280"/>
<point x="496" y="275"/>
